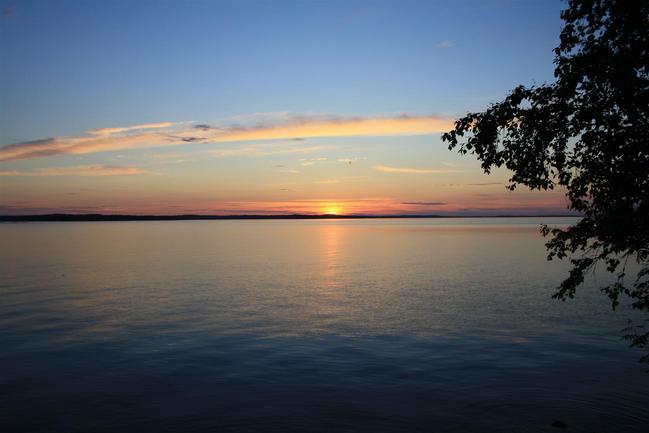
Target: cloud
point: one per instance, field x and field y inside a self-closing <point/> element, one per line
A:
<point x="445" y="44"/>
<point x="173" y="158"/>
<point x="412" y="170"/>
<point x="267" y="117"/>
<point x="81" y="145"/>
<point x="305" y="162"/>
<point x="164" y="156"/>
<point x="425" y="203"/>
<point x="79" y="170"/>
<point x="266" y="150"/>
<point x="349" y="161"/>
<point x="304" y="127"/>
<point x="171" y="134"/>
<point x="111" y="131"/>
<point x="203" y="127"/>
<point x="485" y="183"/>
<point x="326" y="181"/>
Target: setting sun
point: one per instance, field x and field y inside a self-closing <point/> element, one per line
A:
<point x="332" y="209"/>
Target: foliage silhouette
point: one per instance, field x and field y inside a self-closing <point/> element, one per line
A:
<point x="588" y="133"/>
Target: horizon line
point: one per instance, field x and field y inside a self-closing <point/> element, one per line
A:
<point x="63" y="217"/>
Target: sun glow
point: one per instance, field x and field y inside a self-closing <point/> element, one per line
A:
<point x="332" y="209"/>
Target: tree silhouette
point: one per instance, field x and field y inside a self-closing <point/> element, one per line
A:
<point x="587" y="132"/>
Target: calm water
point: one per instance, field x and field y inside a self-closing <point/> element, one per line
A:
<point x="367" y="325"/>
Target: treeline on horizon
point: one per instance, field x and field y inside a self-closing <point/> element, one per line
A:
<point x="117" y="217"/>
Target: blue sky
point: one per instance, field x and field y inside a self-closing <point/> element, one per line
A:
<point x="68" y="67"/>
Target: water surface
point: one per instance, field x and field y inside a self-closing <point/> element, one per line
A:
<point x="335" y="325"/>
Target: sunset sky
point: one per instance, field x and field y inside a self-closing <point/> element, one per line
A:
<point x="268" y="107"/>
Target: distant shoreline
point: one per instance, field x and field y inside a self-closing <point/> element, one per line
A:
<point x="102" y="217"/>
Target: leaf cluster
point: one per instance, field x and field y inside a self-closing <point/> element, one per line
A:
<point x="588" y="134"/>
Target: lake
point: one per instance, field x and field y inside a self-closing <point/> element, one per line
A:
<point x="388" y="325"/>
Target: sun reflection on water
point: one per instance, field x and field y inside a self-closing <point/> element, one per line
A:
<point x="331" y="236"/>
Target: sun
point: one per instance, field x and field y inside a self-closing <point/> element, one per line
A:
<point x="332" y="209"/>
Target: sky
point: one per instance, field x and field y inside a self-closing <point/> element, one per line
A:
<point x="261" y="107"/>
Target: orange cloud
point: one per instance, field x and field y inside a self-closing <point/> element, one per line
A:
<point x="142" y="136"/>
<point x="81" y="145"/>
<point x="310" y="128"/>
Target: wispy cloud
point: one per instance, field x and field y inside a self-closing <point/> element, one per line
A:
<point x="484" y="184"/>
<point x="172" y="158"/>
<point x="445" y="44"/>
<point x="266" y="149"/>
<point x="165" y="156"/>
<point x="413" y="170"/>
<point x="305" y="162"/>
<point x="261" y="118"/>
<point x="80" y="145"/>
<point x="118" y="130"/>
<point x="79" y="170"/>
<point x="425" y="203"/>
<point x="170" y="134"/>
<point x="349" y="161"/>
